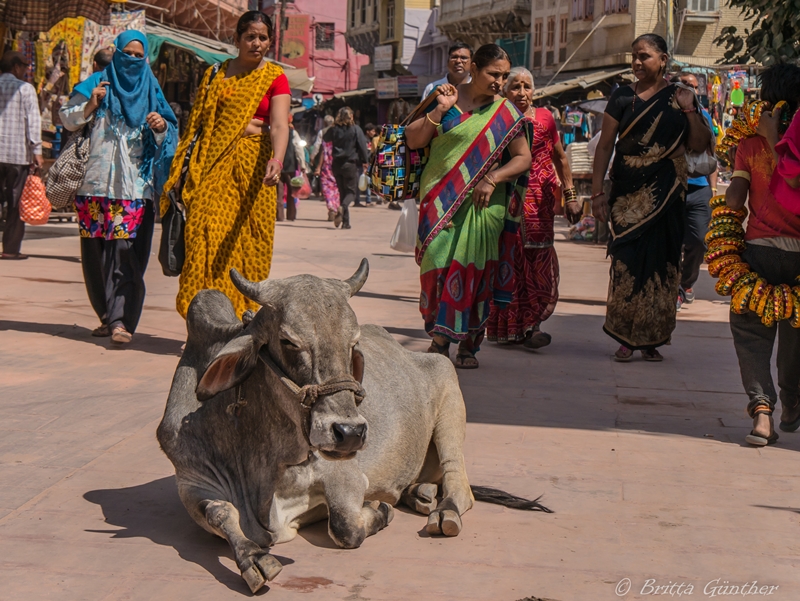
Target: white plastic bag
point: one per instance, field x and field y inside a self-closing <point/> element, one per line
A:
<point x="363" y="182"/>
<point x="404" y="239"/>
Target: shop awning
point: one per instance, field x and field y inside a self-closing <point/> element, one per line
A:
<point x="583" y="81"/>
<point x="212" y="51"/>
<point x="351" y="93"/>
<point x="40" y="15"/>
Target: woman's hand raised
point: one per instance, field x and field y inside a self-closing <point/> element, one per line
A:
<point x="447" y="98"/>
<point x="685" y="99"/>
<point x="156" y="122"/>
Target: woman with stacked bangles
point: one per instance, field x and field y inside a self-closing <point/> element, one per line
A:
<point x="760" y="266"/>
<point x="535" y="262"/>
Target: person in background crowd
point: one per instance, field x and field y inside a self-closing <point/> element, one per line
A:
<point x="369" y="132"/>
<point x="535" y="261"/>
<point x="773" y="251"/>
<point x="698" y="213"/>
<point x="294" y="165"/>
<point x="349" y="152"/>
<point x="242" y="119"/>
<point x="459" y="62"/>
<point x="656" y="122"/>
<point x="20" y="146"/>
<point x="102" y="59"/>
<point x="469" y="208"/>
<point x="133" y="140"/>
<point x="324" y="170"/>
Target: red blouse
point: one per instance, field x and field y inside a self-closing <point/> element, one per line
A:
<point x="280" y="85"/>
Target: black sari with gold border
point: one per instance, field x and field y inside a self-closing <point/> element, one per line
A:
<point x="647" y="213"/>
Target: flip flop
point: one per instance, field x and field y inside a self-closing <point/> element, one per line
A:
<point x="757" y="440"/>
<point x="623" y="358"/>
<point x="121" y="336"/>
<point x="439" y="349"/>
<point x="789" y="426"/>
<point x="10" y="257"/>
<point x="652" y="355"/>
<point x="537" y="340"/>
<point x="101" y="332"/>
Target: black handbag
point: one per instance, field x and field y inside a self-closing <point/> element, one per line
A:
<point x="172" y="250"/>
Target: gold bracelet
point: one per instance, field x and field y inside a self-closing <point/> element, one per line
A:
<point x="490" y="179"/>
<point x="432" y="122"/>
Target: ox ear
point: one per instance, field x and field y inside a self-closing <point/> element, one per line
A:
<point x="232" y="366"/>
<point x="358" y="364"/>
<point x="357" y="280"/>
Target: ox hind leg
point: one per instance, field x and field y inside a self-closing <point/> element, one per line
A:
<point x="351" y="519"/>
<point x="256" y="565"/>
<point x="448" y="437"/>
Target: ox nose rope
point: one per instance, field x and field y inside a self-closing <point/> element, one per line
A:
<point x="310" y="393"/>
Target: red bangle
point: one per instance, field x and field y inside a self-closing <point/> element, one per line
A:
<point x="277" y="161"/>
<point x="691" y="110"/>
<point x="598" y="195"/>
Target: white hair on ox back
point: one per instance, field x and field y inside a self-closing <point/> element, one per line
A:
<point x="514" y="73"/>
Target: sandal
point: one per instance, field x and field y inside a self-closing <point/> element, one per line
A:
<point x="121" y="336"/>
<point x="331" y="215"/>
<point x="439" y="349"/>
<point x="337" y="219"/>
<point x="13" y="257"/>
<point x="623" y="354"/>
<point x="758" y="440"/>
<point x="652" y="355"/>
<point x="787" y="414"/>
<point x="463" y="356"/>
<point x="537" y="340"/>
<point x="101" y="332"/>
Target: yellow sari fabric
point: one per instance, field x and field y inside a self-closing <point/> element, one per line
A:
<point x="230" y="213"/>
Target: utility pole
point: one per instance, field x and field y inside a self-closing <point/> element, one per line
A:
<point x="670" y="27"/>
<point x="281" y="16"/>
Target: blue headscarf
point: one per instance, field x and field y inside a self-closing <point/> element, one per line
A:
<point x="133" y="93"/>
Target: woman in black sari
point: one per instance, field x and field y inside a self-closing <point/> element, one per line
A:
<point x="657" y="123"/>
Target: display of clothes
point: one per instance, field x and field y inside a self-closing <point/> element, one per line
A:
<point x="96" y="37"/>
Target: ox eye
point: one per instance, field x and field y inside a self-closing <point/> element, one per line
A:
<point x="288" y="343"/>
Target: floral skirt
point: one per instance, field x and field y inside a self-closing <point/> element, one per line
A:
<point x="109" y="218"/>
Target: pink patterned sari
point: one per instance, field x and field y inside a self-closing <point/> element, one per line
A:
<point x="326" y="179"/>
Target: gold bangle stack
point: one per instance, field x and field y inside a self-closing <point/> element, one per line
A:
<point x="570" y="195"/>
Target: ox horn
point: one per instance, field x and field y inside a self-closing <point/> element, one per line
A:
<point x="357" y="280"/>
<point x="255" y="291"/>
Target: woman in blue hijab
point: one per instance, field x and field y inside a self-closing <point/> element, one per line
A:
<point x="133" y="139"/>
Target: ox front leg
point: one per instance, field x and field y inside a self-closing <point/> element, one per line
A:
<point x="351" y="519"/>
<point x="257" y="566"/>
<point x="448" y="436"/>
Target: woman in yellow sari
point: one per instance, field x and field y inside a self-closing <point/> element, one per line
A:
<point x="236" y="136"/>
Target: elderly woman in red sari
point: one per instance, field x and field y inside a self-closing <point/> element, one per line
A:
<point x="535" y="260"/>
<point x="471" y="195"/>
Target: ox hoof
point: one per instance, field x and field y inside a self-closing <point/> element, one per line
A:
<point x="421" y="497"/>
<point x="261" y="569"/>
<point x="445" y="521"/>
<point x="386" y="510"/>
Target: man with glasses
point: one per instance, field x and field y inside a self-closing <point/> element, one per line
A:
<point x="458" y="65"/>
<point x="698" y="214"/>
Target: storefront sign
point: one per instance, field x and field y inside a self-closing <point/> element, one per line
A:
<point x="383" y="58"/>
<point x="386" y="88"/>
<point x="296" y="41"/>
<point x="407" y="85"/>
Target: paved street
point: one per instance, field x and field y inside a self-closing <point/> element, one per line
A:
<point x="644" y="464"/>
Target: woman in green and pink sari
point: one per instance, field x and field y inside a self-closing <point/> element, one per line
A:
<point x="471" y="193"/>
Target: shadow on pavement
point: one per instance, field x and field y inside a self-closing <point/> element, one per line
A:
<point x="141" y="342"/>
<point x="154" y="511"/>
<point x="55" y="258"/>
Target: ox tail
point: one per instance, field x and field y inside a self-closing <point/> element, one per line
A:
<point x="500" y="497"/>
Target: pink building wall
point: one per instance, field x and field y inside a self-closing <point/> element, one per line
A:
<point x="333" y="70"/>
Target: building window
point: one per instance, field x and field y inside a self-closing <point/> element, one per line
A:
<point x="702" y="6"/>
<point x="537" y="58"/>
<point x="549" y="58"/>
<point x="352" y="13"/>
<point x="617" y="6"/>
<point x="551" y="32"/>
<point x="583" y="10"/>
<point x="562" y="31"/>
<point x="390" y="19"/>
<point x="537" y="34"/>
<point x="363" y="11"/>
<point x="325" y="36"/>
<point x="374" y="11"/>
